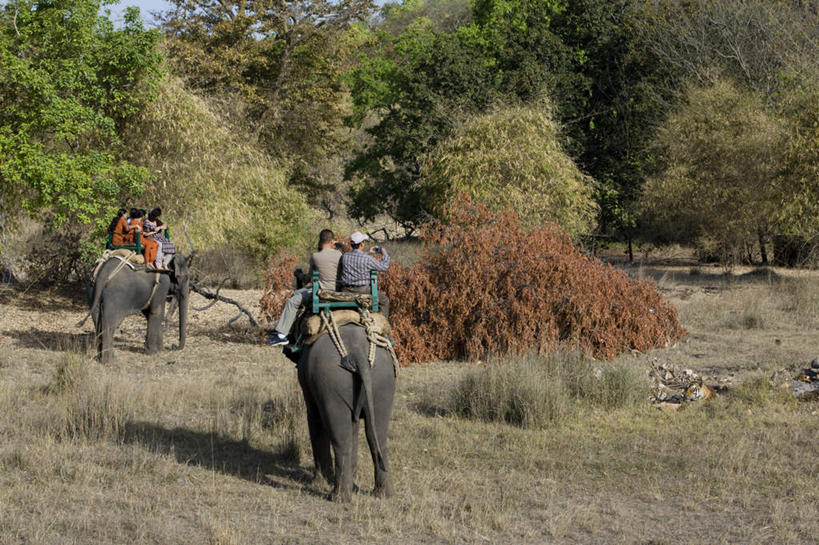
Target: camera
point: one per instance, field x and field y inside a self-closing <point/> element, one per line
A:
<point x="377" y="249"/>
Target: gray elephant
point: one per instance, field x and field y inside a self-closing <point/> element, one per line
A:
<point x="132" y="291"/>
<point x="336" y="399"/>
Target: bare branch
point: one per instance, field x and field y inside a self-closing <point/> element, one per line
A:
<point x="206" y="307"/>
<point x="242" y="310"/>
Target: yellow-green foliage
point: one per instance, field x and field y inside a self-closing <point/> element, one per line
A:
<point x="512" y="158"/>
<point x="205" y="170"/>
<point x="723" y="183"/>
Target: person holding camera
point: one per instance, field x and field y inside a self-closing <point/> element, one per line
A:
<point x="325" y="261"/>
<point x="356" y="266"/>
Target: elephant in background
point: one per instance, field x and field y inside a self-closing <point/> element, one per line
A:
<point x="132" y="291"/>
<point x="336" y="399"/>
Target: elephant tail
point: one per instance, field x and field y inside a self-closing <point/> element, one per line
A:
<point x="365" y="398"/>
<point x="95" y="304"/>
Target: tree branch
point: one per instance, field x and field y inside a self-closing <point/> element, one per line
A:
<point x="242" y="310"/>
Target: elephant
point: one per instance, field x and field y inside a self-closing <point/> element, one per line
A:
<point x="132" y="291"/>
<point x="336" y="398"/>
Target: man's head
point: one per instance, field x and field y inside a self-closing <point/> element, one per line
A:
<point x="357" y="239"/>
<point x="326" y="239"/>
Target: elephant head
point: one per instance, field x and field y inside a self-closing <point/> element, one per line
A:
<point x="180" y="287"/>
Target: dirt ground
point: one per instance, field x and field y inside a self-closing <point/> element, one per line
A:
<point x="207" y="445"/>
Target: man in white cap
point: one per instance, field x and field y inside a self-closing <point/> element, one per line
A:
<point x="356" y="266"/>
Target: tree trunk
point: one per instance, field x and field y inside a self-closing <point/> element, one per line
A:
<point x="762" y="251"/>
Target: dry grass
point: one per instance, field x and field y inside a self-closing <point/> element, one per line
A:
<point x="536" y="392"/>
<point x="209" y="445"/>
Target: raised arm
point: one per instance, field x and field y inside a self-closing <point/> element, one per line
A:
<point x="383" y="264"/>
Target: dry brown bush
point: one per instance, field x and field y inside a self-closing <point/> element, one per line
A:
<point x="485" y="285"/>
<point x="279" y="282"/>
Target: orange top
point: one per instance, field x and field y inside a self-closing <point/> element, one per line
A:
<point x="121" y="233"/>
<point x="134" y="233"/>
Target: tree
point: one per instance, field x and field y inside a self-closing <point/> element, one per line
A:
<point x="417" y="85"/>
<point x="511" y="158"/>
<point x="278" y="68"/>
<point x="762" y="44"/>
<point x="444" y="15"/>
<point x="580" y="55"/>
<point x="722" y="186"/>
<point x="70" y="82"/>
<point x="218" y="182"/>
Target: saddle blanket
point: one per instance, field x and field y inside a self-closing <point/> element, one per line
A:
<point x="312" y="326"/>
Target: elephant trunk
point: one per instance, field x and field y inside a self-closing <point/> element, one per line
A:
<point x="184" y="295"/>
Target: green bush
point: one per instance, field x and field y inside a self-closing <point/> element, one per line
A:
<point x="722" y="185"/>
<point x="511" y="158"/>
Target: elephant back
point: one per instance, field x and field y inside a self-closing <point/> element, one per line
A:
<point x="312" y="326"/>
<point x="127" y="257"/>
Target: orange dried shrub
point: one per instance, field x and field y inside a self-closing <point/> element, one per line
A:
<point x="279" y="283"/>
<point x="484" y="284"/>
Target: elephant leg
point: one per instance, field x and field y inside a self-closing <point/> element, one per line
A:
<point x="383" y="477"/>
<point x="383" y="400"/>
<point x="153" y="340"/>
<point x="110" y="318"/>
<point x="341" y="430"/>
<point x="319" y="439"/>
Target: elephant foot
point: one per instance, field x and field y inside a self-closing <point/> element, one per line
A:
<point x="339" y="496"/>
<point x="384" y="488"/>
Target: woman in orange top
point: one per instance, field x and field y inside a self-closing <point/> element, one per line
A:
<point x="124" y="231"/>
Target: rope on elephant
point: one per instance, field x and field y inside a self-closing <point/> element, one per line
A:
<point x="335" y="334"/>
<point x="376" y="339"/>
<point x="106" y="255"/>
<point x="153" y="291"/>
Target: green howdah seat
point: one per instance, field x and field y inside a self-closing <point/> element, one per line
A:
<point x="136" y="246"/>
<point x="325" y="300"/>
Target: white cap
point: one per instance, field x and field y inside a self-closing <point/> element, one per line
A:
<point x="358" y="238"/>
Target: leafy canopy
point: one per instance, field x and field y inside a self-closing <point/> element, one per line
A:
<point x="69" y="83"/>
<point x="511" y="159"/>
<point x="277" y="66"/>
<point x="724" y="156"/>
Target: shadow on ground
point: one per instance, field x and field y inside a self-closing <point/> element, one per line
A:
<point x="695" y="277"/>
<point x="233" y="335"/>
<point x="56" y="341"/>
<point x="227" y="456"/>
<point x="64" y="299"/>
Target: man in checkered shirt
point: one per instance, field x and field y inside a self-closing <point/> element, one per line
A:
<point x="356" y="266"/>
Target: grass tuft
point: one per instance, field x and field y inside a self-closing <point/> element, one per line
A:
<point x="70" y="372"/>
<point x="95" y="410"/>
<point x="534" y="391"/>
<point x="759" y="391"/>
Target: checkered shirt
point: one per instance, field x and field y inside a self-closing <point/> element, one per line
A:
<point x="356" y="267"/>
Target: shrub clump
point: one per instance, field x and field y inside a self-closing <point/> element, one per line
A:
<point x="533" y="392"/>
<point x="511" y="158"/>
<point x="279" y="283"/>
<point x="484" y="284"/>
